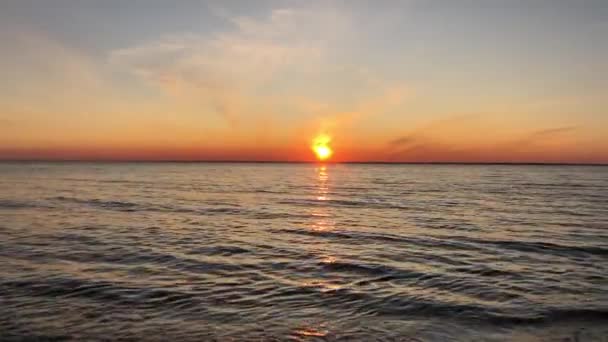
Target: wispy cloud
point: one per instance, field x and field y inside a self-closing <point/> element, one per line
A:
<point x="44" y="69"/>
<point x="428" y="138"/>
<point x="262" y="70"/>
<point x="228" y="71"/>
<point x="428" y="143"/>
<point x="552" y="132"/>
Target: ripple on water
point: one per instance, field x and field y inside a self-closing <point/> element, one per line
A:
<point x="275" y="252"/>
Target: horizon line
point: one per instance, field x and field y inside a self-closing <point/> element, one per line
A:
<point x="293" y="162"/>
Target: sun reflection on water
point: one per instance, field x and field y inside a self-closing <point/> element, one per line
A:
<point x="322" y="217"/>
<point x="322" y="186"/>
<point x="310" y="332"/>
<point x="323" y="221"/>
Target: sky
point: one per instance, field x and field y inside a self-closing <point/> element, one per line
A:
<point x="397" y="81"/>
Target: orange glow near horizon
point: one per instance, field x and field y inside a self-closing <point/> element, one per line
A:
<point x="321" y="148"/>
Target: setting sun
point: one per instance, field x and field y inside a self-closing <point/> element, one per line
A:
<point x="320" y="146"/>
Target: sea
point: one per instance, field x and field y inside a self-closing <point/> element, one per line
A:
<point x="146" y="251"/>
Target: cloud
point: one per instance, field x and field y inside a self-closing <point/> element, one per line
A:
<point x="428" y="138"/>
<point x="228" y="72"/>
<point x="543" y="137"/>
<point x="45" y="70"/>
<point x="406" y="140"/>
<point x="263" y="70"/>
<point x="553" y="131"/>
<point x="431" y="143"/>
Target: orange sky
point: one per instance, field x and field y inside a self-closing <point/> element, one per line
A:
<point x="243" y="82"/>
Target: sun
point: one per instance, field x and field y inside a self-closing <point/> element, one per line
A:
<point x="320" y="146"/>
<point x="323" y="152"/>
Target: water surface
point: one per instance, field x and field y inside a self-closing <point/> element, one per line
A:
<point x="220" y="251"/>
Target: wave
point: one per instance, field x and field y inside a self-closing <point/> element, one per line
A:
<point x="357" y="237"/>
<point x="11" y="204"/>
<point x="219" y="250"/>
<point x="341" y="203"/>
<point x="104" y="204"/>
<point x="456" y="242"/>
<point x="541" y="247"/>
<point x="362" y="302"/>
<point x="368" y="269"/>
<point x="399" y="306"/>
<point x="71" y="287"/>
<point x="212" y="208"/>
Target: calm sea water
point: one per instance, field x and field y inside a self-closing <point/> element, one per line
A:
<point x="178" y="251"/>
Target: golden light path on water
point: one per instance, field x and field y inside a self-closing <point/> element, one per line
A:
<point x="322" y="222"/>
<point x="323" y="217"/>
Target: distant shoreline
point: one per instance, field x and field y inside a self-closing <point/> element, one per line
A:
<point x="101" y="161"/>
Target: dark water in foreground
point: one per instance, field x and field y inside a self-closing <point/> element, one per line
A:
<point x="283" y="251"/>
